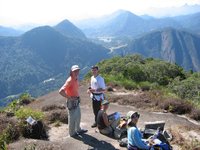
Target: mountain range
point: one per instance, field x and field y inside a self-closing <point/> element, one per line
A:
<point x="125" y="23"/>
<point x="173" y="11"/>
<point x="38" y="60"/>
<point x="169" y="44"/>
<point x="6" y="31"/>
<point x="40" y="54"/>
<point x="69" y="30"/>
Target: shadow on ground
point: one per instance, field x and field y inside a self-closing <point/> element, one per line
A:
<point x="93" y="143"/>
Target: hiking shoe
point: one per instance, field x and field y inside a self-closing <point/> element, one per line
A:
<point x="94" y="125"/>
<point x="82" y="131"/>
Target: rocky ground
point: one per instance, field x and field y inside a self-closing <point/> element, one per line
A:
<point x="93" y="140"/>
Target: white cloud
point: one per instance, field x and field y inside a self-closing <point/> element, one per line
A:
<point x="15" y="12"/>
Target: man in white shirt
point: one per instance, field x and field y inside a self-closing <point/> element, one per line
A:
<point x="96" y="91"/>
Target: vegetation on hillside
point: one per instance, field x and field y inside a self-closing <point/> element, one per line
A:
<point x="12" y="119"/>
<point x="136" y="71"/>
<point x="13" y="124"/>
<point x="178" y="89"/>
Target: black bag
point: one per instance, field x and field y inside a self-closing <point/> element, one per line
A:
<point x="36" y="131"/>
<point x="123" y="141"/>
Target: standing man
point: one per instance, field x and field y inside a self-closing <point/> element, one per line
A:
<point x="70" y="90"/>
<point x="96" y="91"/>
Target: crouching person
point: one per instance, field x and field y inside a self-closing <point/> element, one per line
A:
<point x="105" y="123"/>
<point x="135" y="141"/>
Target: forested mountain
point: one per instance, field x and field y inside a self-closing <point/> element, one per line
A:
<point x="40" y="54"/>
<point x="172" y="45"/>
<point x="70" y="30"/>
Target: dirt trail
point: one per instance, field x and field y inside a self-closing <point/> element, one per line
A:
<point x="59" y="138"/>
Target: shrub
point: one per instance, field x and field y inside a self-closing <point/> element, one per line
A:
<point x="110" y="89"/>
<point x="145" y="86"/>
<point x="176" y="106"/>
<point x="129" y="85"/>
<point x="57" y="115"/>
<point x="24" y="99"/>
<point x="135" y="73"/>
<point x="52" y="107"/>
<point x="9" y="131"/>
<point x="195" y="114"/>
<point x="24" y="113"/>
<point x="137" y="69"/>
<point x="188" y="88"/>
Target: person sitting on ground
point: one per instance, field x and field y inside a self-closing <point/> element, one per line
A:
<point x="135" y="140"/>
<point x="107" y="124"/>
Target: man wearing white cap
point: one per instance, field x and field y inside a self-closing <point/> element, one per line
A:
<point x="70" y="90"/>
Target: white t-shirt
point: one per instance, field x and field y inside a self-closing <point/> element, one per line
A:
<point x="97" y="83"/>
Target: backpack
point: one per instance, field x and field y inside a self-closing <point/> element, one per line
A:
<point x="35" y="131"/>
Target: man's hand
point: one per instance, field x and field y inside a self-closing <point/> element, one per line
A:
<point x="89" y="91"/>
<point x="62" y="93"/>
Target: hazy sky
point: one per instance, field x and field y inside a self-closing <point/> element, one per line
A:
<point x="17" y="12"/>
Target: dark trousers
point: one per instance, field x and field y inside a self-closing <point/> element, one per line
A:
<point x="96" y="107"/>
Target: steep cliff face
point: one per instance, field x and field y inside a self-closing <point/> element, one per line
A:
<point x="169" y="44"/>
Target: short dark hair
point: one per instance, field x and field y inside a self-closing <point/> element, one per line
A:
<point x="95" y="67"/>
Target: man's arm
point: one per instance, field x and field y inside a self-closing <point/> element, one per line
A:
<point x="62" y="90"/>
<point x="90" y="90"/>
<point x="105" y="119"/>
<point x="62" y="93"/>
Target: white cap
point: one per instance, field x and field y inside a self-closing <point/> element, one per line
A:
<point x="75" y="67"/>
<point x="130" y="114"/>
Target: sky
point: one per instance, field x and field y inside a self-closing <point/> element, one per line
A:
<point x="20" y="12"/>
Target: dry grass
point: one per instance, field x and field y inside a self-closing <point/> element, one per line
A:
<point x="195" y="114"/>
<point x="55" y="113"/>
<point x="41" y="146"/>
<point x="176" y="106"/>
<point x="141" y="100"/>
<point x="9" y="131"/>
<point x="155" y="100"/>
<point x="52" y="107"/>
<point x="5" y="121"/>
<point x="182" y="142"/>
<point x="110" y="89"/>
